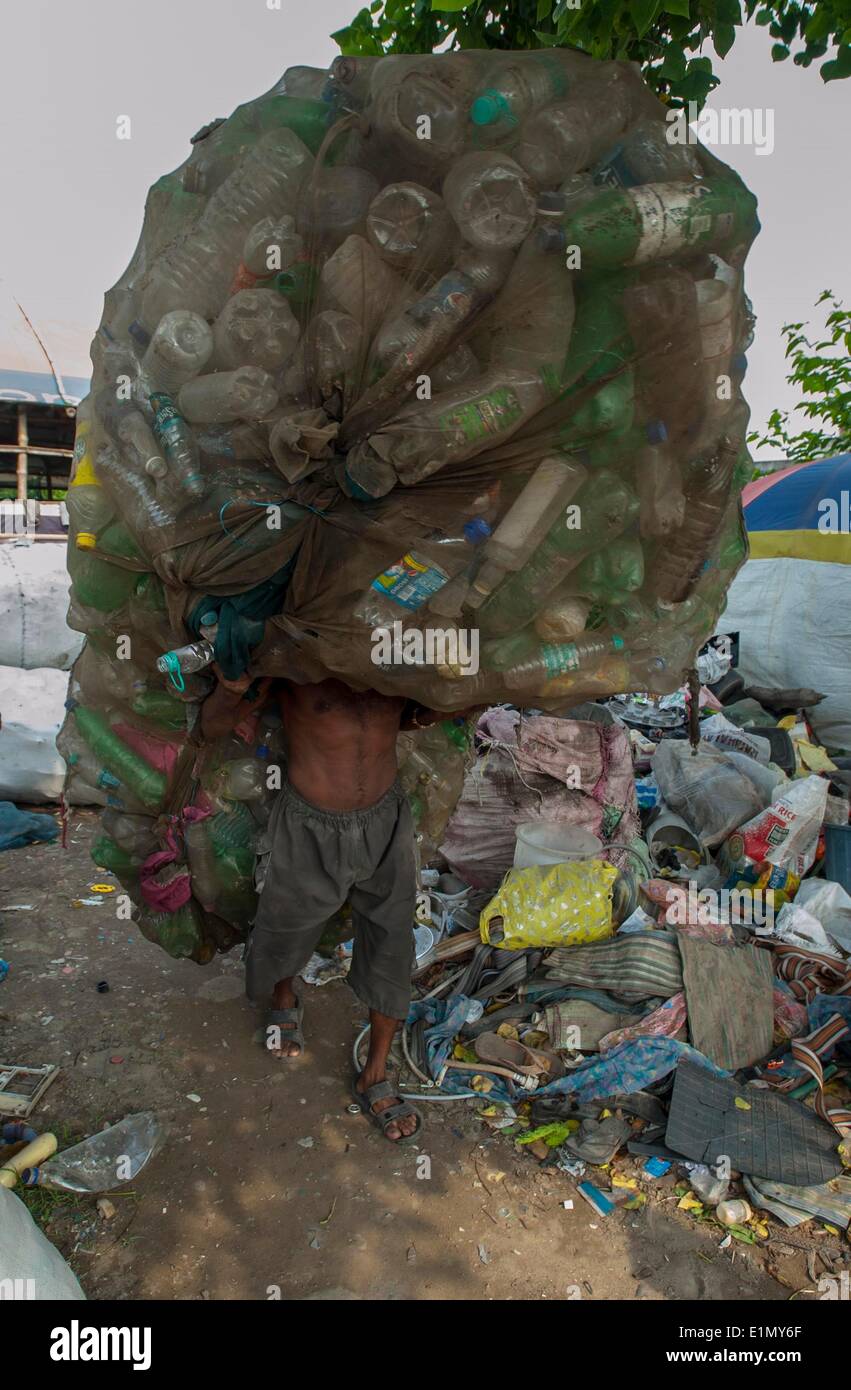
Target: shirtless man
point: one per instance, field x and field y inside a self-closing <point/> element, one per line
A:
<point x="341" y="829"/>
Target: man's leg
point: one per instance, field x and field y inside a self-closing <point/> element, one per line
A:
<point x="383" y="914"/>
<point x="283" y="997"/>
<point x="382" y="1029"/>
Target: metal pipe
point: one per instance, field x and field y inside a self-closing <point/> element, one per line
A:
<point x="23" y="444"/>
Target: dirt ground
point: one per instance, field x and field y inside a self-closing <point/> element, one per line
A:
<point x="267" y="1186"/>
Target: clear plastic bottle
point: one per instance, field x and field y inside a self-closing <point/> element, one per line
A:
<point x="420" y="117"/>
<point x="659" y="484"/>
<point x="246" y="393"/>
<point x="662" y="316"/>
<point x="185" y="661"/>
<point x="511" y="93"/>
<point x="454" y="425"/>
<point x="105" y="1161"/>
<point x="564" y="620"/>
<point x="241" y="779"/>
<point x="552" y="485"/>
<point x="134" y="492"/>
<point x="256" y="328"/>
<point x="203" y="864"/>
<point x="645" y="155"/>
<point x="178" y="444"/>
<point x="531" y="321"/>
<point x="491" y="200"/>
<point x="413" y="580"/>
<point x="179" y="348"/>
<point x="272" y="246"/>
<point x="554" y="143"/>
<point x="679" y="560"/>
<point x="603" y="509"/>
<point x="409" y="226"/>
<point x="356" y="280"/>
<point x="334" y="203"/>
<point x="717" y="319"/>
<point x="196" y="272"/>
<point x="556" y="659"/>
<point x="333" y="352"/>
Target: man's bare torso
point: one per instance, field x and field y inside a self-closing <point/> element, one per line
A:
<point x="341" y="743"/>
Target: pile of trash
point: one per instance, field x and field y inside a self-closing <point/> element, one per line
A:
<point x="686" y="1012"/>
<point x="425" y="375"/>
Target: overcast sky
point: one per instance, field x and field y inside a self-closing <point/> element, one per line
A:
<point x="74" y="193"/>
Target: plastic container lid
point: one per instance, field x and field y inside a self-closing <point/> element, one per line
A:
<point x="488" y="108"/>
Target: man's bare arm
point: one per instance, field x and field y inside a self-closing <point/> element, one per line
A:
<point x="225" y="706"/>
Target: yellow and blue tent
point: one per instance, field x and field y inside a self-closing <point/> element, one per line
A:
<point x="791" y="601"/>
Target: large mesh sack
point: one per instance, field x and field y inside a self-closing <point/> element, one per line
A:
<point x="425" y="374"/>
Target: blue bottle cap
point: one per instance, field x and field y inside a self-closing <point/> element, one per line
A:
<point x="477" y="530"/>
<point x="262" y="750"/>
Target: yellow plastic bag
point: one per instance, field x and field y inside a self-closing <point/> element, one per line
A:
<point x="551" y="905"/>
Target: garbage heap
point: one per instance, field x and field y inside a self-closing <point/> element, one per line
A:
<point x="676" y="1030"/>
<point x="425" y="374"/>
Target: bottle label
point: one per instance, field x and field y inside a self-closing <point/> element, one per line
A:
<point x="559" y="658"/>
<point x="409" y="582"/>
<point x="669" y="219"/>
<point x="490" y="414"/>
<point x="167" y="418"/>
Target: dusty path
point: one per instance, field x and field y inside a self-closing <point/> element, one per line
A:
<point x="267" y="1186"/>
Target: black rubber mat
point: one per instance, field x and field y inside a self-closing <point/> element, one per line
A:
<point x="765" y="1134"/>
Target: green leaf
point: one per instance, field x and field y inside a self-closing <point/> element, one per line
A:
<point x="643" y="14"/>
<point x="779" y="51"/>
<point x="674" y="64"/>
<point x="449" y="5"/>
<point x="723" y="38"/>
<point x="546" y="40"/>
<point x="544" y="8"/>
<point x="763" y="16"/>
<point x="838" y="67"/>
<point x="680" y="7"/>
<point x="819" y="25"/>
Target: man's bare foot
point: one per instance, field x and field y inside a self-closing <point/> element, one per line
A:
<point x="397" y="1129"/>
<point x="283" y="997"/>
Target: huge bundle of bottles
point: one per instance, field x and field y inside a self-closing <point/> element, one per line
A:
<point x="424" y="376"/>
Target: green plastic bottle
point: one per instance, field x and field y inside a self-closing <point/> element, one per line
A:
<point x="660" y="222"/>
<point x="611" y="572"/>
<point x="95" y="583"/>
<point x="308" y="119"/>
<point x="132" y="770"/>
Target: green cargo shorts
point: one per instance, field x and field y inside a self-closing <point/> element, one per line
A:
<point x="309" y="863"/>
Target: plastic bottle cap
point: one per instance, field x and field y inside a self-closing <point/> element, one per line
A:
<point x="617" y="643"/>
<point x="488" y="108"/>
<point x="476" y="530"/>
<point x="86" y="541"/>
